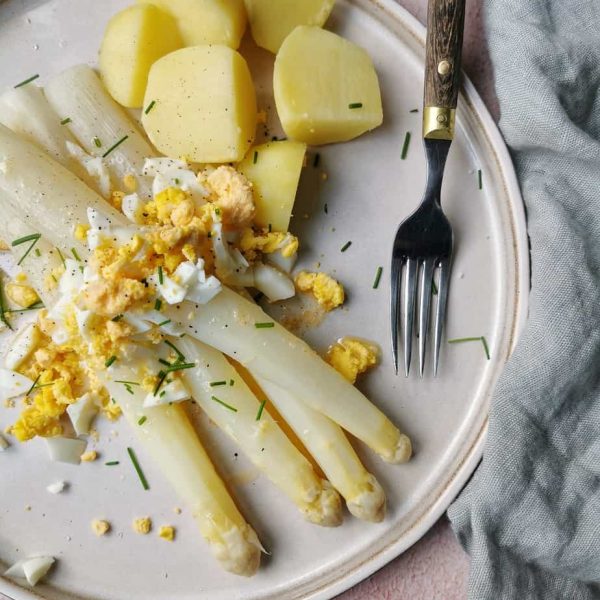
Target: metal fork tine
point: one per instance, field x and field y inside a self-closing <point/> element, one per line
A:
<point x="440" y="312"/>
<point x="408" y="309"/>
<point x="396" y="275"/>
<point x="424" y="309"/>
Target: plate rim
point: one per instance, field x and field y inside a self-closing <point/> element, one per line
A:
<point x="514" y="201"/>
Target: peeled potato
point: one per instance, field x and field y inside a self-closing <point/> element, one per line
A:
<point x="326" y="88"/>
<point x="204" y="105"/>
<point x="133" y="40"/>
<point x="271" y="21"/>
<point x="207" y="21"/>
<point x="274" y="170"/>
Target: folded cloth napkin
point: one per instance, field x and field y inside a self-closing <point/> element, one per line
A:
<point x="530" y="517"/>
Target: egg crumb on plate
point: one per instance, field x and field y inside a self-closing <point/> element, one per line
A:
<point x="352" y="356"/>
<point x="167" y="532"/>
<point x="143" y="525"/>
<point x="328" y="292"/>
<point x="3" y="443"/>
<point x="100" y="527"/>
<point x="22" y="295"/>
<point x="89" y="456"/>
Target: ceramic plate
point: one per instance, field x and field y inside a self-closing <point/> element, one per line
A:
<point x="367" y="189"/>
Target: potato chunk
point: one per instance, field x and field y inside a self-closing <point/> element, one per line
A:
<point x="326" y="89"/>
<point x="271" y="21"/>
<point x="204" y="105"/>
<point x="133" y="40"/>
<point x="207" y="21"/>
<point x="274" y="170"/>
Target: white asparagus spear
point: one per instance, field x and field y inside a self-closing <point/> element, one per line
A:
<point x="170" y="439"/>
<point x="26" y="111"/>
<point x="234" y="409"/>
<point x="48" y="197"/>
<point x="229" y="323"/>
<point x="99" y="123"/>
<point x="333" y="452"/>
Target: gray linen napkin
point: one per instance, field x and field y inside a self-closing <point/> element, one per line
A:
<point x="530" y="518"/>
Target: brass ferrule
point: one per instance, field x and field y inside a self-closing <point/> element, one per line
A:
<point x="438" y="123"/>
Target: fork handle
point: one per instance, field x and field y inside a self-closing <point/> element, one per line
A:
<point x="445" y="26"/>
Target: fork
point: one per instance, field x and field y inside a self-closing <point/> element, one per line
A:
<point x="424" y="241"/>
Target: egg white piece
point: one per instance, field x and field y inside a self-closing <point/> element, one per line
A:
<point x="21" y="346"/>
<point x="31" y="569"/>
<point x="169" y="393"/>
<point x="231" y="266"/>
<point x="102" y="228"/>
<point x="82" y="413"/>
<point x="67" y="450"/>
<point x="13" y="384"/>
<point x="56" y="488"/>
<point x="133" y="207"/>
<point x="273" y="283"/>
<point x="169" y="172"/>
<point x="285" y="263"/>
<point x="95" y="167"/>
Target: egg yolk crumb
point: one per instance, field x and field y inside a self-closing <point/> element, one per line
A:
<point x="267" y="242"/>
<point x="328" y="292"/>
<point x="89" y="456"/>
<point x="167" y="532"/>
<point x="143" y="525"/>
<point x="100" y="527"/>
<point x="352" y="356"/>
<point x="22" y="295"/>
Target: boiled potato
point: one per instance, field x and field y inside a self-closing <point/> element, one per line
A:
<point x="274" y="170"/>
<point x="204" y="105"/>
<point x="271" y="21"/>
<point x="207" y="21"/>
<point x="134" y="39"/>
<point x="326" y="89"/>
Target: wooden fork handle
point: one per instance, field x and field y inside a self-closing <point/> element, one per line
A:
<point x="445" y="26"/>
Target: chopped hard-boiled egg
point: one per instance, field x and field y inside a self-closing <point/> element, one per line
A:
<point x="89" y="456"/>
<point x="3" y="443"/>
<point x="100" y="527"/>
<point x="65" y="450"/>
<point x="328" y="292"/>
<point x="172" y="392"/>
<point x="82" y="413"/>
<point x="30" y="569"/>
<point x="22" y="345"/>
<point x="57" y="487"/>
<point x="22" y="295"/>
<point x="273" y="283"/>
<point x="167" y="532"/>
<point x="143" y="525"/>
<point x="352" y="356"/>
<point x="13" y="384"/>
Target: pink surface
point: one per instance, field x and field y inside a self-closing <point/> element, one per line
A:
<point x="435" y="568"/>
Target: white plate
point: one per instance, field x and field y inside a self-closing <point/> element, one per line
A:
<point x="368" y="191"/>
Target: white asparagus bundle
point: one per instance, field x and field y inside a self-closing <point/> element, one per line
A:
<point x="168" y="436"/>
<point x="26" y="111"/>
<point x="48" y="197"/>
<point x="333" y="452"/>
<point x="99" y="124"/>
<point x="229" y="323"/>
<point x="234" y="408"/>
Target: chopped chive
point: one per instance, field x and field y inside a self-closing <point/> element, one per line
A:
<point x="346" y="246"/>
<point x="377" y="277"/>
<point x="355" y="105"/>
<point x="74" y="253"/>
<point x="115" y="146"/>
<point x="414" y="110"/>
<point x="37" y="252"/>
<point x="36" y="306"/>
<point x="117" y="318"/>
<point x="163" y="323"/>
<point x="127" y="382"/>
<point x="176" y="181"/>
<point x="111" y="463"/>
<point x="180" y="367"/>
<point x="27" y="238"/>
<point x="129" y="389"/>
<point x="33" y="385"/>
<point x="255" y="158"/>
<point x="162" y="393"/>
<point x="316" y="160"/>
<point x="32" y="78"/>
<point x="162" y="361"/>
<point x="480" y="178"/>
<point x="481" y="339"/>
<point x="434" y="288"/>
<point x="142" y="420"/>
<point x="62" y="258"/>
<point x="216" y="383"/>
<point x="43" y="385"/>
<point x="157" y="304"/>
<point x="260" y="410"/>
<point x="161" y="378"/>
<point x="150" y="107"/>
<point x="138" y="470"/>
<point x="110" y="361"/>
<point x="3" y="310"/>
<point x="97" y="142"/>
<point x="231" y="382"/>
<point x="180" y="355"/>
<point x="161" y="277"/>
<point x="326" y="208"/>
<point x="66" y="121"/>
<point x="228" y="406"/>
<point x="405" y="146"/>
<point x="267" y="325"/>
<point x="270" y="228"/>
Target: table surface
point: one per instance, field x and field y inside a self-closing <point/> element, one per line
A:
<point x="436" y="567"/>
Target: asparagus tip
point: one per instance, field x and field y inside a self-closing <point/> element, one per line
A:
<point x="402" y="452"/>
<point x="326" y="508"/>
<point x="369" y="505"/>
